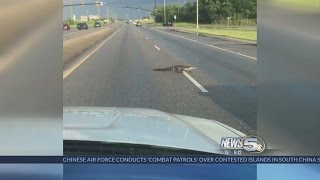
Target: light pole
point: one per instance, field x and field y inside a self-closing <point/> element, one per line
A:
<point x="164" y="11"/>
<point x="98" y="8"/>
<point x="197" y="14"/>
<point x="83" y="3"/>
<point x="108" y="12"/>
<point x="155" y="10"/>
<point x="127" y="14"/>
<point x="111" y="14"/>
<point x="178" y="8"/>
<point x="71" y="17"/>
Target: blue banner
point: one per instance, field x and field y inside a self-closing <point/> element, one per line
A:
<point x="161" y="159"/>
<point x="190" y="159"/>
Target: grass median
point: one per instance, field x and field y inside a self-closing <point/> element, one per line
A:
<point x="244" y="33"/>
<point x="75" y="46"/>
<point x="237" y="34"/>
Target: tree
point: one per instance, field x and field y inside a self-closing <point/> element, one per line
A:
<point x="210" y="11"/>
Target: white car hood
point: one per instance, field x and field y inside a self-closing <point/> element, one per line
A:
<point x="144" y="126"/>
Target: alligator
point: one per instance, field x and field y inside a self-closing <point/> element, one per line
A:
<point x="177" y="68"/>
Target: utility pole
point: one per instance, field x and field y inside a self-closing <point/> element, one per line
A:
<point x="197" y="14"/>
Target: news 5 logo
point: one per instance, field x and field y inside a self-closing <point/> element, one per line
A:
<point x="252" y="144"/>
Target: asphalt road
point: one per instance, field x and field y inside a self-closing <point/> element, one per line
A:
<point x="120" y="74"/>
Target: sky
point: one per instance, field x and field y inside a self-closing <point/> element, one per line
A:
<point x="116" y="8"/>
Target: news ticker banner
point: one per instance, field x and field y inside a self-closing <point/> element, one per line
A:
<point x="161" y="159"/>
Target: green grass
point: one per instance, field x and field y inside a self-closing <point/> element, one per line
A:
<point x="238" y="34"/>
<point x="211" y="26"/>
<point x="245" y="32"/>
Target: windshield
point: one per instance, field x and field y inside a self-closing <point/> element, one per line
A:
<point x="177" y="62"/>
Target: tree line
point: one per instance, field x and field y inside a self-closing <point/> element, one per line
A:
<point x="210" y="11"/>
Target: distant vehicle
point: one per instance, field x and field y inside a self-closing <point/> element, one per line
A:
<point x="167" y="23"/>
<point x="138" y="24"/>
<point x="82" y="26"/>
<point x="97" y="24"/>
<point x="66" y="27"/>
<point x="127" y="22"/>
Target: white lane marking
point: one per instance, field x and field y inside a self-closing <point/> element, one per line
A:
<point x="157" y="47"/>
<point x="68" y="71"/>
<point x="222" y="49"/>
<point x="147" y="38"/>
<point x="194" y="82"/>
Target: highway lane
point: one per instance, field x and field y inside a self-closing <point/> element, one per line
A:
<point x="242" y="46"/>
<point x="222" y="66"/>
<point x="120" y="74"/>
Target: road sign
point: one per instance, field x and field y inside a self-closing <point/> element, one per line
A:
<point x="101" y="3"/>
<point x="174" y="16"/>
